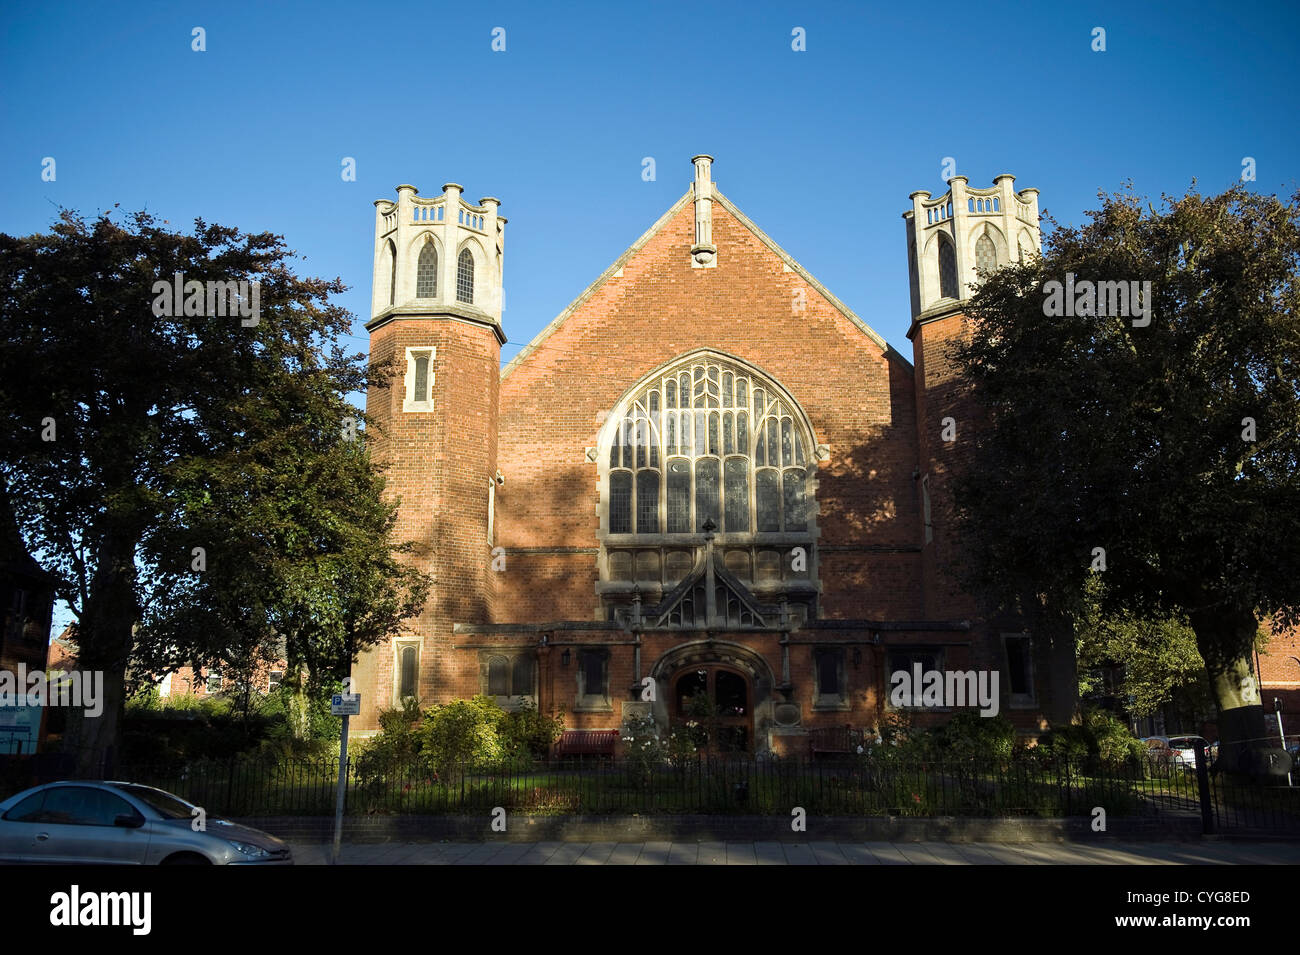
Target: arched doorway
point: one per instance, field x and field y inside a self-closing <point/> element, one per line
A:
<point x="716" y="704"/>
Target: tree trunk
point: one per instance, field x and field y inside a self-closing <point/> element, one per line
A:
<point x="297" y="707"/>
<point x="105" y="638"/>
<point x="1225" y="637"/>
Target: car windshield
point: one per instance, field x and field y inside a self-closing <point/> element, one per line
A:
<point x="169" y="806"/>
<point x="1183" y="742"/>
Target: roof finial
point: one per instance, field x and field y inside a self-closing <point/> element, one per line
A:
<point x="704" y="254"/>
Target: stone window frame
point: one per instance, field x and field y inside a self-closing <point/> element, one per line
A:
<point x="939" y="655"/>
<point x="511" y="701"/>
<point x="1021" y="701"/>
<point x="399" y="645"/>
<point x="592" y="702"/>
<point x="429" y="244"/>
<point x="631" y="406"/>
<point x="830" y="701"/>
<point x="466" y="278"/>
<point x="411" y="401"/>
<point x="946" y="246"/>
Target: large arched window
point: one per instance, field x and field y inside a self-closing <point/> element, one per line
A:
<point x="465" y="277"/>
<point x="947" y="269"/>
<point x="986" y="254"/>
<point x="426" y="272"/>
<point x="708" y="443"/>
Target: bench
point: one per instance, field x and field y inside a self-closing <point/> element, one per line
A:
<point x="834" y="740"/>
<point x="586" y="743"/>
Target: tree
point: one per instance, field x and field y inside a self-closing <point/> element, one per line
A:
<point x="1159" y="447"/>
<point x="132" y="414"/>
<point x="1157" y="658"/>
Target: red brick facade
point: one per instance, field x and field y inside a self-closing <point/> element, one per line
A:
<point x="875" y="583"/>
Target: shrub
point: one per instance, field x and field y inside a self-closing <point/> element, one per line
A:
<point x="464" y="731"/>
<point x="1098" y="738"/>
<point x="970" y="735"/>
<point x="527" y="733"/>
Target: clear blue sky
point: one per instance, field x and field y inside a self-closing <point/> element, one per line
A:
<point x="820" y="147"/>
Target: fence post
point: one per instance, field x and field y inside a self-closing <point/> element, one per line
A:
<point x="1203" y="787"/>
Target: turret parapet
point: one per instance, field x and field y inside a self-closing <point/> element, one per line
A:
<point x="950" y="239"/>
<point x="438" y="255"/>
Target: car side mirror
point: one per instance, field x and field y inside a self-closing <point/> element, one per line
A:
<point x="129" y="820"/>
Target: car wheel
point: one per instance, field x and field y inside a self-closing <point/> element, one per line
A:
<point x="186" y="858"/>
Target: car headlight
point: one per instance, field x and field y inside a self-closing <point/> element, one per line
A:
<point x="249" y="850"/>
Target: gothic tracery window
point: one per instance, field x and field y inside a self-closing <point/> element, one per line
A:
<point x="947" y="269"/>
<point x="706" y="443"/>
<point x="986" y="255"/>
<point x="426" y="272"/>
<point x="465" y="277"/>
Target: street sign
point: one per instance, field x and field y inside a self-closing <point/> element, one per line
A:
<point x="341" y="705"/>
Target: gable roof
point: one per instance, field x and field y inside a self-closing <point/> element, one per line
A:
<point x="617" y="266"/>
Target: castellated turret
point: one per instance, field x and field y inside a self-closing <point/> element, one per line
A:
<point x="436" y="322"/>
<point x="952" y="237"/>
<point x="441" y="253"/>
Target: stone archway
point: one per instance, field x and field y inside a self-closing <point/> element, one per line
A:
<point x="730" y="672"/>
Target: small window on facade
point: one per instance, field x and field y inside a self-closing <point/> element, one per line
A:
<point x="419" y="379"/>
<point x="409" y="672"/>
<point x="213" y="684"/>
<point x="498" y="677"/>
<point x="986" y="255"/>
<point x="465" y="277"/>
<point x="392" y="273"/>
<point x="907" y="662"/>
<point x="593" y="673"/>
<point x="277" y="677"/>
<point x="426" y="272"/>
<point x="947" y="269"/>
<point x="828" y="672"/>
<point x="521" y="676"/>
<point x="1020" y="669"/>
<point x="422" y="378"/>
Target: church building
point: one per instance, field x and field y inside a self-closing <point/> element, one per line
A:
<point x="707" y="476"/>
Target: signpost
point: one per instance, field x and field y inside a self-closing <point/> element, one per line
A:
<point x="344" y="705"/>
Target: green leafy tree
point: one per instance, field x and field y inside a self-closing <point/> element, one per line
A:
<point x="186" y="475"/>
<point x="1157" y="657"/>
<point x="1164" y="451"/>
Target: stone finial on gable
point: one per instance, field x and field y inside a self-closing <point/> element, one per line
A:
<point x="704" y="254"/>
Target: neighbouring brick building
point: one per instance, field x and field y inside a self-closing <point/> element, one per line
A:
<point x="706" y="476"/>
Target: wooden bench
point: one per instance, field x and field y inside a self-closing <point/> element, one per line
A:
<point x="586" y="743"/>
<point x="834" y="741"/>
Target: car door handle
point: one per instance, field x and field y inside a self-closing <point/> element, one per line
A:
<point x="42" y="836"/>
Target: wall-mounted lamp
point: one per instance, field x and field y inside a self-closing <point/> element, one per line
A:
<point x="564" y="657"/>
<point x="545" y="640"/>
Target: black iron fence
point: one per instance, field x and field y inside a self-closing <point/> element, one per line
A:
<point x="879" y="783"/>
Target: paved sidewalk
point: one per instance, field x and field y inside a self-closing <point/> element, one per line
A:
<point x="810" y="853"/>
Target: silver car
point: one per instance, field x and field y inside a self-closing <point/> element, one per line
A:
<point x="112" y="823"/>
